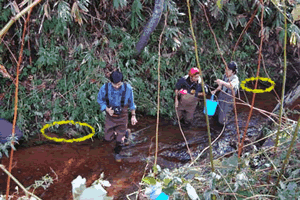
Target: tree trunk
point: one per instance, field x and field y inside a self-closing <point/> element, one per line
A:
<point x="290" y="97"/>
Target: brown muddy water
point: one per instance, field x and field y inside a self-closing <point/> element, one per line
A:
<point x="64" y="162"/>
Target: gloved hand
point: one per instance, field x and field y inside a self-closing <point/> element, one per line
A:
<point x="182" y="91"/>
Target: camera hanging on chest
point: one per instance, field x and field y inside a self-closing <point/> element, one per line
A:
<point x="117" y="109"/>
<point x="190" y="87"/>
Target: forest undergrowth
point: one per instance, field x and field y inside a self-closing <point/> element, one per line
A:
<point x="70" y="47"/>
<point x="253" y="176"/>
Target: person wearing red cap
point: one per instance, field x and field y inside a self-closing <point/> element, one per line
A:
<point x="115" y="98"/>
<point x="230" y="82"/>
<point x="188" y="89"/>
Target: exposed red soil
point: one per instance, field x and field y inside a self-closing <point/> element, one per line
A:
<point x="88" y="159"/>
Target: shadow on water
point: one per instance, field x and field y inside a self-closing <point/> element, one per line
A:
<point x="64" y="162"/>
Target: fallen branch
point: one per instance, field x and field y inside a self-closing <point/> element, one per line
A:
<point x="16" y="101"/>
<point x="17" y="182"/>
<point x="261" y="195"/>
<point x="207" y="147"/>
<point x="186" y="143"/>
<point x="158" y="90"/>
<point x="4" y="73"/>
<point x="15" y="18"/>
<point x="228" y="184"/>
<point x="240" y="147"/>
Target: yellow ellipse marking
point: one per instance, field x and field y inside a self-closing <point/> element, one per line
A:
<point x="257" y="90"/>
<point x="68" y="140"/>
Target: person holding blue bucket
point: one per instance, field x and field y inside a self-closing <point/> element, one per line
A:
<point x="211" y="106"/>
<point x="230" y="82"/>
<point x="188" y="89"/>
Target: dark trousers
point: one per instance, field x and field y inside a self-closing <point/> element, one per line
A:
<point x="116" y="124"/>
<point x="187" y="106"/>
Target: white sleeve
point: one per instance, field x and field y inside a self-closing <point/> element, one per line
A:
<point x="235" y="83"/>
<point x="199" y="80"/>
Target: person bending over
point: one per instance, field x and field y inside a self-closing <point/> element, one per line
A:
<point x="188" y="89"/>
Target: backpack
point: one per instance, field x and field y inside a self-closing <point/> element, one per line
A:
<point x="6" y="129"/>
<point x="122" y="98"/>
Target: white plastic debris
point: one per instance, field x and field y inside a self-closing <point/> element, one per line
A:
<point x="158" y="168"/>
<point x="241" y="177"/>
<point x="241" y="180"/>
<point x="214" y="175"/>
<point x="154" y="191"/>
<point x="78" y="186"/>
<point x="94" y="192"/>
<point x="201" y="179"/>
<point x="105" y="183"/>
<point x="192" y="192"/>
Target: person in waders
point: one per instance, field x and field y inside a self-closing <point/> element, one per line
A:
<point x="188" y="91"/>
<point x="115" y="98"/>
<point x="230" y="82"/>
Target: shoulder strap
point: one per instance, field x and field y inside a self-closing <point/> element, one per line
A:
<point x="106" y="95"/>
<point x="123" y="95"/>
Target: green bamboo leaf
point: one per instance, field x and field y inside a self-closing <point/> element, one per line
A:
<point x="64" y="11"/>
<point x="220" y="4"/>
<point x="296" y="13"/>
<point x="167" y="181"/>
<point x="83" y="4"/>
<point x="136" y="13"/>
<point x="231" y="161"/>
<point x="149" y="180"/>
<point x="119" y="3"/>
<point x="116" y="4"/>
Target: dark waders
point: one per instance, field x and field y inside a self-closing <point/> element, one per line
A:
<point x="118" y="124"/>
<point x="187" y="104"/>
<point x="225" y="107"/>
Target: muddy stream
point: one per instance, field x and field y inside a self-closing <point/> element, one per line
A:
<point x="64" y="162"/>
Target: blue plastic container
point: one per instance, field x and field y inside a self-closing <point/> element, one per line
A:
<point x="162" y="196"/>
<point x="211" y="106"/>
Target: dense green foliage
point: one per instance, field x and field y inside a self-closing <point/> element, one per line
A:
<point x="71" y="43"/>
<point x="251" y="177"/>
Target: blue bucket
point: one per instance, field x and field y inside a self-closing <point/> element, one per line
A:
<point x="211" y="106"/>
<point x="162" y="196"/>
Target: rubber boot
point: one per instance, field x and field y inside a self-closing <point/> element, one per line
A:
<point x="117" y="150"/>
<point x="127" y="135"/>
